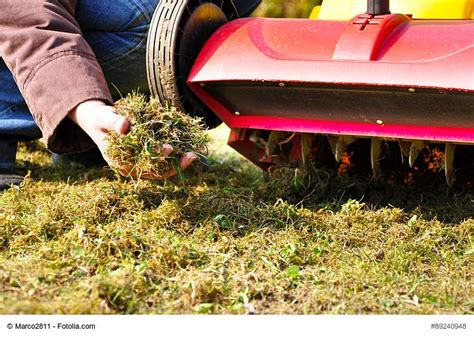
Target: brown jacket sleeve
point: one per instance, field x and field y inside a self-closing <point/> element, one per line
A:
<point x="54" y="67"/>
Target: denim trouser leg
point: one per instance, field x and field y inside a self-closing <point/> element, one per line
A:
<point x="116" y="31"/>
<point x="16" y="122"/>
<point x="8" y="154"/>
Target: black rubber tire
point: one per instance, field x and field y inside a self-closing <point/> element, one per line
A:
<point x="165" y="83"/>
<point x="161" y="50"/>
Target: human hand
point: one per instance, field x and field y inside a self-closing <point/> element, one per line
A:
<point x="97" y="119"/>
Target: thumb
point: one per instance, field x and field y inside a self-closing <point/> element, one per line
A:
<point x="121" y="125"/>
<point x="111" y="121"/>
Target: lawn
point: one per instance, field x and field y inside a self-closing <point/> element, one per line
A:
<point x="228" y="240"/>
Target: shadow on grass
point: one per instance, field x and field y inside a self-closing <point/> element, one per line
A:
<point x="231" y="189"/>
<point x="431" y="199"/>
<point x="428" y="197"/>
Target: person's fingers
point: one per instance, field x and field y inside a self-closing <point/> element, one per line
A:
<point x="108" y="120"/>
<point x="167" y="150"/>
<point x="125" y="171"/>
<point x="187" y="160"/>
<point x="166" y="175"/>
<point x="121" y="125"/>
<point x="148" y="176"/>
<point x="117" y="123"/>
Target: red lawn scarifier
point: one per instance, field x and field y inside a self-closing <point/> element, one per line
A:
<point x="288" y="87"/>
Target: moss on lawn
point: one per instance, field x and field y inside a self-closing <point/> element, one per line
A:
<point x="228" y="241"/>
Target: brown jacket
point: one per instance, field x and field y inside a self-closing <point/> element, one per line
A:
<point x="54" y="67"/>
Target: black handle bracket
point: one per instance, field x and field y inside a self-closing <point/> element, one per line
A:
<point x="378" y="7"/>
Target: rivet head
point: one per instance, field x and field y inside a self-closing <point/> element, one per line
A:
<point x="379" y="122"/>
<point x="281" y="84"/>
<point x="411" y="90"/>
<point x="202" y="84"/>
<point x="237" y="113"/>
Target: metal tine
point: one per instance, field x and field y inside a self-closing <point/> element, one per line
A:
<point x="375" y="151"/>
<point x="416" y="147"/>
<point x="339" y="145"/>
<point x="305" y="141"/>
<point x="404" y="149"/>
<point x="256" y="138"/>
<point x="449" y="152"/>
<point x="274" y="141"/>
<point x="333" y="144"/>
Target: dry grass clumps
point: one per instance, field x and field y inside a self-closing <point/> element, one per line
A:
<point x="153" y="126"/>
<point x="231" y="242"/>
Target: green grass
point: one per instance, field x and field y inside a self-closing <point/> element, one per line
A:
<point x="229" y="241"/>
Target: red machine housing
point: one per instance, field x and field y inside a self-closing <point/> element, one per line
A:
<point x="384" y="76"/>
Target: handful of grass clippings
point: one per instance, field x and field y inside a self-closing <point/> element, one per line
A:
<point x="152" y="126"/>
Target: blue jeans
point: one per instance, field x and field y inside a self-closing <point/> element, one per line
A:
<point x="116" y="31"/>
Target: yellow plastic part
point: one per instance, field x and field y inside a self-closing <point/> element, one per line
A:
<point x="315" y="12"/>
<point x="420" y="9"/>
